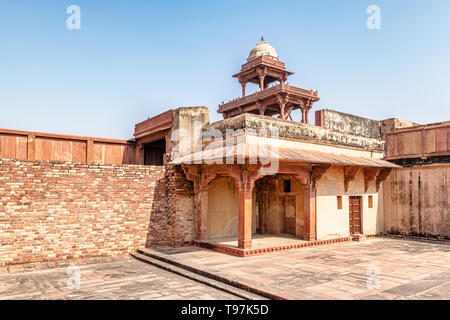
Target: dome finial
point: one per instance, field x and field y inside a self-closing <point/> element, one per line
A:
<point x="262" y="38"/>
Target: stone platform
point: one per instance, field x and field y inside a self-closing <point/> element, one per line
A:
<point x="262" y="244"/>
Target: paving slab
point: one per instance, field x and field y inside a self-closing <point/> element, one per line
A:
<point x="121" y="278"/>
<point x="378" y="268"/>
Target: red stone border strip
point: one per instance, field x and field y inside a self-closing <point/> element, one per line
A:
<point x="401" y="236"/>
<point x="374" y="235"/>
<point x="243" y="253"/>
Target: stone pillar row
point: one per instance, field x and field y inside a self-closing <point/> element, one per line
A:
<point x="245" y="181"/>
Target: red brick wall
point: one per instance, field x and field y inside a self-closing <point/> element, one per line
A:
<point x="55" y="210"/>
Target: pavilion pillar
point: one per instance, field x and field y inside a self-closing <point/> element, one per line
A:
<point x="304" y="114"/>
<point x="202" y="204"/>
<point x="282" y="102"/>
<point x="306" y="120"/>
<point x="245" y="178"/>
<point x="261" y="82"/>
<point x="243" y="84"/>
<point x="202" y="213"/>
<point x="245" y="215"/>
<point x="309" y="200"/>
<point x="282" y="114"/>
<point x="306" y="106"/>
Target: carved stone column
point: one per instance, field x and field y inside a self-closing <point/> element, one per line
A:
<point x="302" y="107"/>
<point x="202" y="208"/>
<point x="310" y="202"/>
<point x="282" y="101"/>
<point x="245" y="215"/>
<point x="305" y="106"/>
<point x="261" y="82"/>
<point x="245" y="181"/>
<point x="243" y="84"/>
<point x="262" y="72"/>
<point x="309" y="209"/>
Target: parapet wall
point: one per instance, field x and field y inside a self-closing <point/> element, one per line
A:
<point x="419" y="144"/>
<point x="58" y="210"/>
<point x="348" y="123"/>
<point x="297" y="131"/>
<point x="27" y="145"/>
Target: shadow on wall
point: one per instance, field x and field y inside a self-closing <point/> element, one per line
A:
<point x="171" y="220"/>
<point x="157" y="226"/>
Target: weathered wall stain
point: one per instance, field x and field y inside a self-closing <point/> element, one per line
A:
<point x="417" y="201"/>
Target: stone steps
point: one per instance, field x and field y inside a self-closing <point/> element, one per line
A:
<point x="239" y="289"/>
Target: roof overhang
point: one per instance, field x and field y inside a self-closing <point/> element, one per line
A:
<point x="255" y="153"/>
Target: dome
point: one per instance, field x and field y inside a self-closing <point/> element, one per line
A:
<point x="263" y="48"/>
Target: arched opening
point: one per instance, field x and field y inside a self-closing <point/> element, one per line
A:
<point x="223" y="208"/>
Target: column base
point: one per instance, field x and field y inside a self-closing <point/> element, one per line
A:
<point x="309" y="237"/>
<point x="244" y="244"/>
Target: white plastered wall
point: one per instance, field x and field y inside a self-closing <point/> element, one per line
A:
<point x="334" y="223"/>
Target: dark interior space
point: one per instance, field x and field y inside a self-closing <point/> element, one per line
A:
<point x="154" y="153"/>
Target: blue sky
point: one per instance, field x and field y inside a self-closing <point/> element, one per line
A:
<point x="134" y="59"/>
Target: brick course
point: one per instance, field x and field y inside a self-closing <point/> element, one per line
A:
<point x="57" y="210"/>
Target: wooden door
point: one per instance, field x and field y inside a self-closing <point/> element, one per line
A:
<point x="355" y="215"/>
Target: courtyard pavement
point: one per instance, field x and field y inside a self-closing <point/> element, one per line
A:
<point x="117" y="278"/>
<point x="378" y="268"/>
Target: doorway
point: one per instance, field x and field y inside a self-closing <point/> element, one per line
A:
<point x="355" y="215"/>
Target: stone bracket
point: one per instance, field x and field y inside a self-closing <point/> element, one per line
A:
<point x="382" y="176"/>
<point x="369" y="175"/>
<point x="350" y="174"/>
<point x="317" y="173"/>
